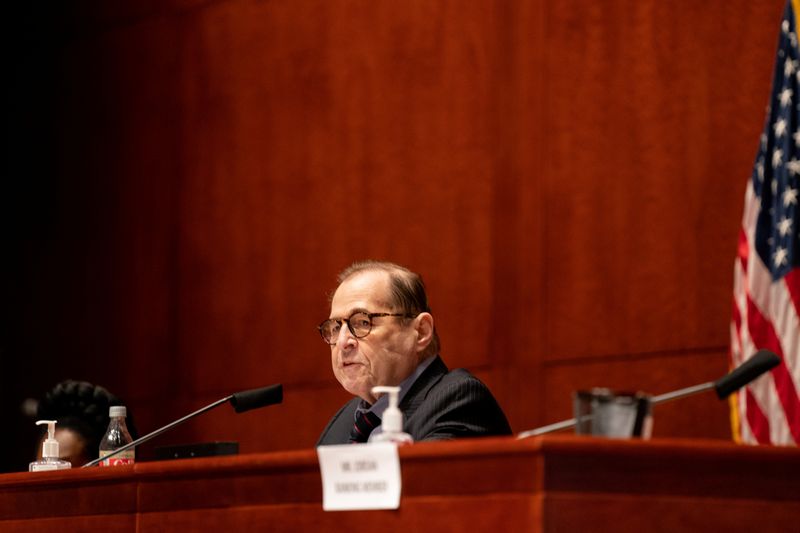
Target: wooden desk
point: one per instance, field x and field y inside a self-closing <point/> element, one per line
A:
<point x="553" y="483"/>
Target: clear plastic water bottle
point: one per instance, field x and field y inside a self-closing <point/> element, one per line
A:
<point x="117" y="436"/>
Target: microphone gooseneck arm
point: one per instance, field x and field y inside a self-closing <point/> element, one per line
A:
<point x="242" y="401"/>
<point x="159" y="431"/>
<point x="572" y="422"/>
<point x="760" y="363"/>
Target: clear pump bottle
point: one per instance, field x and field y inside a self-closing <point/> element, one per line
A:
<point x="117" y="436"/>
<point x="50" y="460"/>
<point x="392" y="420"/>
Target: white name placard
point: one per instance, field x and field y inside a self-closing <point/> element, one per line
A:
<point x="360" y="476"/>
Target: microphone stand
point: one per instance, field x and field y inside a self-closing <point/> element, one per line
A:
<point x="241" y="401"/>
<point x="655" y="400"/>
<point x="158" y="432"/>
<point x="761" y="362"/>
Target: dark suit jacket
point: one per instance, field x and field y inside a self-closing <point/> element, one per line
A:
<point x="439" y="405"/>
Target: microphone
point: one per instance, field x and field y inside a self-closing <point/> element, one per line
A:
<point x="754" y="367"/>
<point x="241" y="401"/>
<point x="746" y="372"/>
<point x="255" y="398"/>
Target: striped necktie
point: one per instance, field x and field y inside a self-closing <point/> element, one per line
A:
<point x="366" y="421"/>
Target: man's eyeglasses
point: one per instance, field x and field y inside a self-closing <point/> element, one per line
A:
<point x="359" y="324"/>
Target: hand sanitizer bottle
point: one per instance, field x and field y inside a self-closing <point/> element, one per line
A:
<point x="392" y="421"/>
<point x="50" y="460"/>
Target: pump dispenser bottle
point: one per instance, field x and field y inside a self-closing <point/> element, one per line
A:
<point x="50" y="460"/>
<point x="392" y="421"/>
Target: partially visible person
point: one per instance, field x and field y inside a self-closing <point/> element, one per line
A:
<point x="381" y="332"/>
<point x="81" y="410"/>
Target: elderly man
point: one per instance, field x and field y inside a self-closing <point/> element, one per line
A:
<point x="381" y="332"/>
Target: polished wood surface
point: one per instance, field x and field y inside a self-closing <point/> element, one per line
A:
<point x="541" y="484"/>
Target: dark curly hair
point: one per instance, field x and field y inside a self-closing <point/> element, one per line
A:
<point x="83" y="408"/>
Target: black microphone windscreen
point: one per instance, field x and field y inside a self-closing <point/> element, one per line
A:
<point x="761" y="362"/>
<point x="255" y="398"/>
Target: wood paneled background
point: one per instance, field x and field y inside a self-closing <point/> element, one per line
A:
<point x="186" y="178"/>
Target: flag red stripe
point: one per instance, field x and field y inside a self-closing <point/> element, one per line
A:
<point x="792" y="280"/>
<point x="788" y="395"/>
<point x="743" y="249"/>
<point x="763" y="334"/>
<point x="759" y="425"/>
<point x="761" y="330"/>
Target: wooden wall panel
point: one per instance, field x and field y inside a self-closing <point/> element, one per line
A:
<point x="327" y="170"/>
<point x="643" y="190"/>
<point x="567" y="177"/>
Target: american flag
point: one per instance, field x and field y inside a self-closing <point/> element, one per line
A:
<point x="766" y="295"/>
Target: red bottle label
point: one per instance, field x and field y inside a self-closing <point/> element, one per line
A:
<point x="123" y="458"/>
<point x="114" y="461"/>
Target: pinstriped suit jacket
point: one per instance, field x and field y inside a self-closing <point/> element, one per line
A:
<point x="440" y="405"/>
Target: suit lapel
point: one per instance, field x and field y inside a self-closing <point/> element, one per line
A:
<point x="338" y="429"/>
<point x="419" y="390"/>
